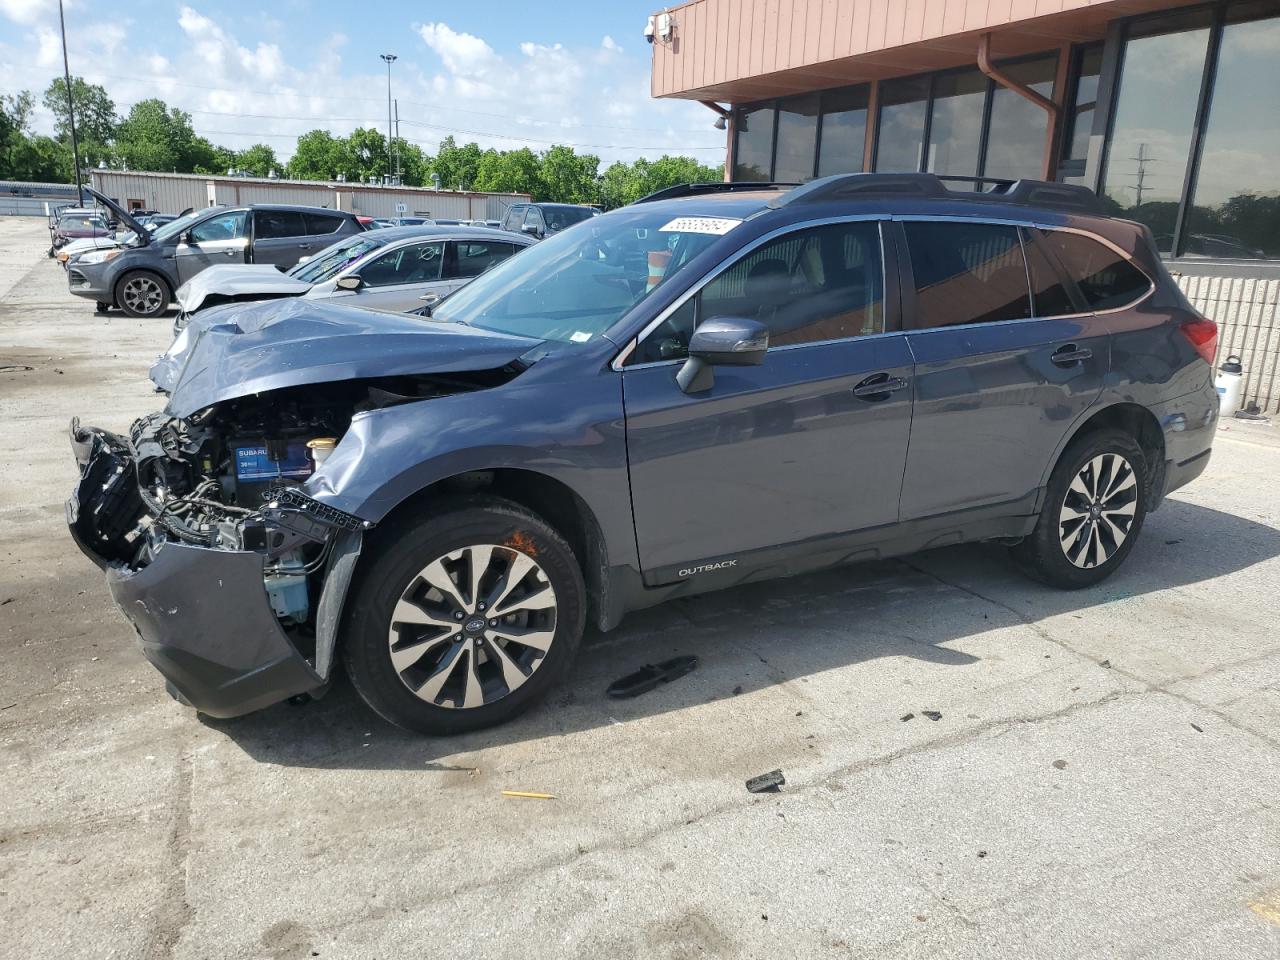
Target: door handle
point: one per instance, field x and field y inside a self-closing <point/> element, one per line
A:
<point x="1070" y="355"/>
<point x="878" y="386"/>
<point x="230" y="253"/>
<point x="304" y="246"/>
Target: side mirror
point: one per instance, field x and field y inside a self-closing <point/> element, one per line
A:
<point x="531" y="229"/>
<point x="722" y="342"/>
<point x="349" y="283"/>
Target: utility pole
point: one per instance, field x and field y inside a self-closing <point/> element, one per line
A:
<point x="71" y="109"/>
<point x="390" y="58"/>
<point x="399" y="172"/>
<point x="1139" y="187"/>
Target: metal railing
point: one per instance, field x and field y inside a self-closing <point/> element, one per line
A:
<point x="1247" y="312"/>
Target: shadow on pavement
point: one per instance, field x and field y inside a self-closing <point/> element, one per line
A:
<point x="762" y="635"/>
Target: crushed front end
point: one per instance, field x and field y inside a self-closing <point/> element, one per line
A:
<point x="232" y="577"/>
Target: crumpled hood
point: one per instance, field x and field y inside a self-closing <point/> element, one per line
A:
<point x="239" y="349"/>
<point x="237" y="280"/>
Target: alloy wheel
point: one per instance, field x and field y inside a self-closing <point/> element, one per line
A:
<point x="1098" y="510"/>
<point x="472" y="626"/>
<point x="142" y="294"/>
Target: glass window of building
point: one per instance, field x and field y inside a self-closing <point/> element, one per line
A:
<point x="797" y="138"/>
<point x="1016" y="136"/>
<point x="1235" y="209"/>
<point x="900" y="139"/>
<point x="844" y="131"/>
<point x="1153" y="125"/>
<point x="955" y="135"/>
<point x="753" y="155"/>
<point x="1084" y="104"/>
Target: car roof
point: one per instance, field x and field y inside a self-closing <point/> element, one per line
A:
<point x="444" y="232"/>
<point x="299" y="207"/>
<point x="570" y="206"/>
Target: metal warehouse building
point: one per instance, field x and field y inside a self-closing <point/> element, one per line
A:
<point x="1169" y="110"/>
<point x="174" y="192"/>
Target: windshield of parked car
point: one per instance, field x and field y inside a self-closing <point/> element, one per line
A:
<point x="329" y="262"/>
<point x="575" y="285"/>
<point x="175" y="227"/>
<point x="83" y="223"/>
<point x="560" y="217"/>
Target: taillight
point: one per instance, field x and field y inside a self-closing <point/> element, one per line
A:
<point x="1203" y="334"/>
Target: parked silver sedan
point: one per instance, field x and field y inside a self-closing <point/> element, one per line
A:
<point x="397" y="268"/>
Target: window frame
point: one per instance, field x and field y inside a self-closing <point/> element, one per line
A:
<point x="907" y="284"/>
<point x="890" y="284"/>
<point x="384" y="252"/>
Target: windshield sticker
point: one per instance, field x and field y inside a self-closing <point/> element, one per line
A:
<point x="716" y="226"/>
<point x="580" y="337"/>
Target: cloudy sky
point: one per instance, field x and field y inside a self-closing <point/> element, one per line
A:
<point x="504" y="73"/>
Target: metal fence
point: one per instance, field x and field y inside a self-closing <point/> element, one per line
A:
<point x="1247" y="313"/>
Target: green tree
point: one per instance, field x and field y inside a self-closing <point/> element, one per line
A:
<point x="414" y="164"/>
<point x="155" y="137"/>
<point x="15" y="114"/>
<point x="258" y="159"/>
<point x="218" y="160"/>
<point x="457" y="165"/>
<point x="624" y="183"/>
<point x="95" y="111"/>
<point x="365" y="154"/>
<point x="509" y="171"/>
<point x="319" y="155"/>
<point x="567" y="177"/>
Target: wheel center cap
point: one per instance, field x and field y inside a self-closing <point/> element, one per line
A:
<point x="1095" y="511"/>
<point x="474" y="625"/>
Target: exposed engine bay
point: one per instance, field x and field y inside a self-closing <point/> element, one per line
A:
<point x="229" y="477"/>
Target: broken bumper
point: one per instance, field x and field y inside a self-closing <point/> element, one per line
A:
<point x="202" y="615"/>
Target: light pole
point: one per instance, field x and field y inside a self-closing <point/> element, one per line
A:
<point x="71" y="110"/>
<point x="390" y="58"/>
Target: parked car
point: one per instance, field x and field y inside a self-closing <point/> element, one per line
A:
<point x="540" y="220"/>
<point x="141" y="278"/>
<point x="715" y="386"/>
<point x="74" y="224"/>
<point x="121" y="238"/>
<point x="396" y="268"/>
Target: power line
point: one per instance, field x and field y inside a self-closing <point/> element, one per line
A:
<point x="155" y="82"/>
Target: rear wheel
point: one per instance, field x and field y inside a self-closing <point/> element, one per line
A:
<point x="142" y="294"/>
<point x="1093" y="511"/>
<point x="466" y="617"/>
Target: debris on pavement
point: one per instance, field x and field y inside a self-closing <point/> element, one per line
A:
<point x="907" y="716"/>
<point x="650" y="676"/>
<point x="931" y="714"/>
<point x="1106" y="664"/>
<point x="766" y="782"/>
<point x="1060" y="764"/>
<point x="737" y="690"/>
<point x="982" y="854"/>
<point x="1197" y="728"/>
<point x="525" y="794"/>
<point x="15" y="368"/>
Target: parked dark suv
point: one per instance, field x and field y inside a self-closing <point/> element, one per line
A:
<point x="541" y="220"/>
<point x="140" y="278"/>
<point x="721" y="385"/>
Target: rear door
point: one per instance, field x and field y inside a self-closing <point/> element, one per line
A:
<point x="278" y="237"/>
<point x="1007" y="359"/>
<point x="398" y="278"/>
<point x="221" y="238"/>
<point x="790" y="454"/>
<point x="467" y="259"/>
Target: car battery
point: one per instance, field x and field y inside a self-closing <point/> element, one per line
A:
<point x="261" y="465"/>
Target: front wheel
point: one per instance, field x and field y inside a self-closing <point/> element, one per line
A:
<point x="1093" y="511"/>
<point x="142" y="294"/>
<point x="466" y="617"/>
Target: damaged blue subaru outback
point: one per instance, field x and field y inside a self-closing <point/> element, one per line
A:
<point x="721" y="384"/>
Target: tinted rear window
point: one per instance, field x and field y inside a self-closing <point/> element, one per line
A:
<point x="275" y="224"/>
<point x="322" y="223"/>
<point x="1105" y="278"/>
<point x="967" y="273"/>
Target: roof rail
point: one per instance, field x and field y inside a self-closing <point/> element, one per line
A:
<point x="1035" y="193"/>
<point x="697" y="189"/>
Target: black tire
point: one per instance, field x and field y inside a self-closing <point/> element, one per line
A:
<point x="102" y="306"/>
<point x="1060" y="551"/>
<point x="141" y="293"/>
<point x="399" y="556"/>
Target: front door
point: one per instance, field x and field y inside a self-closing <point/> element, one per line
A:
<point x="221" y="238"/>
<point x="1007" y="360"/>
<point x="793" y="453"/>
<point x="399" y="278"/>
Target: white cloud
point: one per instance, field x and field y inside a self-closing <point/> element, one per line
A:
<point x="241" y="88"/>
